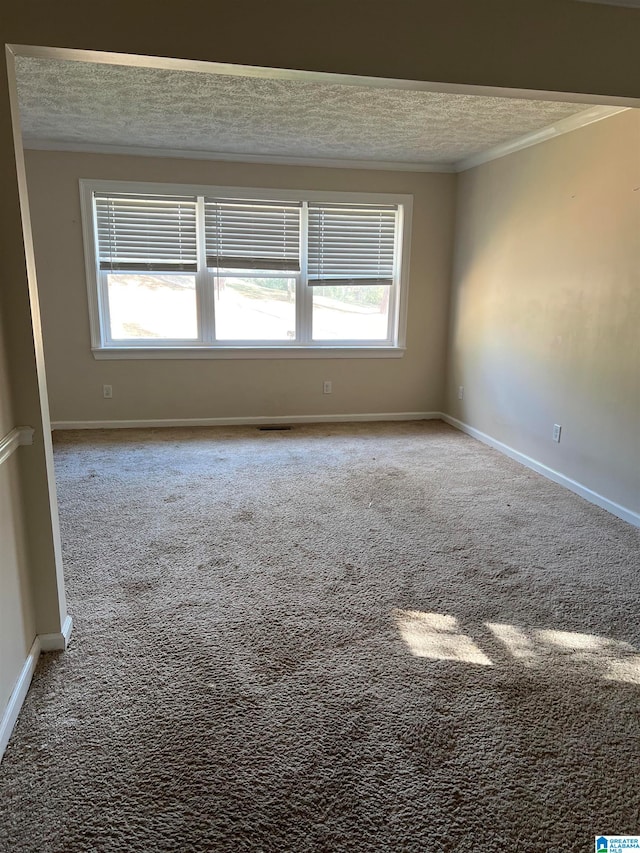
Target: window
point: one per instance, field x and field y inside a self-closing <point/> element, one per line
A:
<point x="191" y="271"/>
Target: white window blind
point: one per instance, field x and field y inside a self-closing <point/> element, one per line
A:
<point x="146" y="232"/>
<point x="252" y="235"/>
<point x="351" y="245"/>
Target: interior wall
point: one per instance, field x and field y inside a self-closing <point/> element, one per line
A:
<point x="17" y="620"/>
<point x="31" y="594"/>
<point x="555" y="45"/>
<point x="222" y="388"/>
<point x="6" y="403"/>
<point x="546" y="304"/>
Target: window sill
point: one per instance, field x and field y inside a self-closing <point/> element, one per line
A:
<point x="149" y="353"/>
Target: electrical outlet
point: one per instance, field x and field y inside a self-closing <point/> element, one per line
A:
<point x="107" y="391"/>
<point x="557" y="429"/>
<point x="327" y="388"/>
<point x="460" y="392"/>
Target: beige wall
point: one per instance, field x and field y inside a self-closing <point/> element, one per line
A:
<point x="17" y="623"/>
<point x="31" y="596"/>
<point x="17" y="620"/>
<point x="210" y="388"/>
<point x="6" y="405"/>
<point x="557" y="45"/>
<point x="545" y="313"/>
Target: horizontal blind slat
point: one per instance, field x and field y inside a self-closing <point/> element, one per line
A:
<point x="253" y="263"/>
<point x="351" y="244"/>
<point x="146" y="232"/>
<point x="250" y="234"/>
<point x="342" y="207"/>
<point x="350" y="282"/>
<point x="157" y="266"/>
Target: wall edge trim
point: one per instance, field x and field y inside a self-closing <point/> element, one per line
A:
<point x="574" y="486"/>
<point x="565" y="125"/>
<point x="235" y="157"/>
<point x="253" y="420"/>
<point x="59" y="640"/>
<point x="18" y="695"/>
<point x="17" y="437"/>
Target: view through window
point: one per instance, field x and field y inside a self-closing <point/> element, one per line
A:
<point x="188" y="269"/>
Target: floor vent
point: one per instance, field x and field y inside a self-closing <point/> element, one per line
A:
<point x="274" y="427"/>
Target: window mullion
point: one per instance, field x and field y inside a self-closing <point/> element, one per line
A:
<point x="204" y="282"/>
<point x="304" y="302"/>
<point x="395" y="287"/>
<point x="104" y="310"/>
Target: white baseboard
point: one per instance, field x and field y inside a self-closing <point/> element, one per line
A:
<point x="248" y="421"/>
<point x="18" y="696"/>
<point x="57" y="642"/>
<point x="42" y="643"/>
<point x="588" y="494"/>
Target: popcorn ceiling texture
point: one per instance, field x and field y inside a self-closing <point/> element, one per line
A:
<point x="91" y="103"/>
<point x="379" y="637"/>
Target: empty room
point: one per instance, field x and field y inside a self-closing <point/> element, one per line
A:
<point x="320" y="435"/>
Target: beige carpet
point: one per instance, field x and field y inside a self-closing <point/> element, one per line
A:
<point x="377" y="637"/>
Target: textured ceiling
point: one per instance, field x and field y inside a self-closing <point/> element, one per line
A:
<point x="112" y="105"/>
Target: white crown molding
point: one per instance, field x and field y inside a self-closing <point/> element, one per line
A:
<point x="247" y="421"/>
<point x="565" y="125"/>
<point x="16" y="438"/>
<point x="230" y="157"/>
<point x="583" y="491"/>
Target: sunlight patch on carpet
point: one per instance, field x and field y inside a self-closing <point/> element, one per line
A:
<point x="612" y="660"/>
<point x="436" y="636"/>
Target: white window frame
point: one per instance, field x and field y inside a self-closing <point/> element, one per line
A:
<point x="103" y="347"/>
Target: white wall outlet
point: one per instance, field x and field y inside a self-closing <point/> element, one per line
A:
<point x="460" y="392"/>
<point x="327" y="388"/>
<point x="557" y="429"/>
<point x="107" y="391"/>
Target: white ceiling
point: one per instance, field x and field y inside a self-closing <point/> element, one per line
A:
<point x="89" y="105"/>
